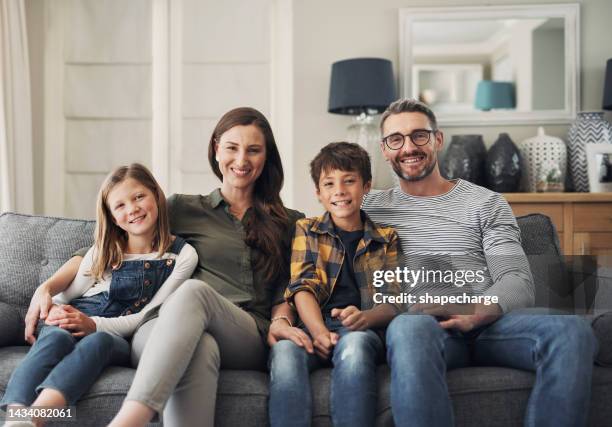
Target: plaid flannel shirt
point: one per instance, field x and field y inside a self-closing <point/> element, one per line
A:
<point x="317" y="256"/>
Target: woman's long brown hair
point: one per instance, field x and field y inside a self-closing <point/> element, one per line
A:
<point x="110" y="239"/>
<point x="269" y="219"/>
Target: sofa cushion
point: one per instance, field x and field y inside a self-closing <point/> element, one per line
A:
<point x="32" y="248"/>
<point x="478" y="393"/>
<point x="11" y="332"/>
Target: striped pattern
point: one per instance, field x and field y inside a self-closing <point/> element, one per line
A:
<point x="588" y="128"/>
<point x="469" y="228"/>
<point x="317" y="255"/>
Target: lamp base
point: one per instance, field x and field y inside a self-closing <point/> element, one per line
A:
<point x="364" y="132"/>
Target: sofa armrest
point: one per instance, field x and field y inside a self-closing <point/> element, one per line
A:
<point x="11" y="330"/>
<point x="592" y="283"/>
<point x="602" y="315"/>
<point x="602" y="327"/>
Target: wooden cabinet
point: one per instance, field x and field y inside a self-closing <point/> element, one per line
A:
<point x="583" y="220"/>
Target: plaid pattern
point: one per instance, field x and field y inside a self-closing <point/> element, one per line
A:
<point x="317" y="256"/>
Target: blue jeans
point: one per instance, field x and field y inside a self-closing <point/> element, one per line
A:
<point x="559" y="349"/>
<point x="353" y="396"/>
<point x="59" y="361"/>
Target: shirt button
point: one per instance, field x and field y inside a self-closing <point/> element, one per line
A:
<point x="147" y="265"/>
<point x="168" y="262"/>
<point x="128" y="311"/>
<point x="144" y="299"/>
<point x="147" y="282"/>
<point x="137" y="304"/>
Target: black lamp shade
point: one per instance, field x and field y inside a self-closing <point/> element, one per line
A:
<point x="607" y="97"/>
<point x="361" y="85"/>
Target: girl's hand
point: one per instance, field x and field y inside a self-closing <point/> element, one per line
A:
<point x="352" y="318"/>
<point x="39" y="309"/>
<point x="73" y="320"/>
<point x="56" y="312"/>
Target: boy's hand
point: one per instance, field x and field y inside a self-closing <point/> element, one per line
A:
<point x="75" y="321"/>
<point x="352" y="318"/>
<point x="324" y="343"/>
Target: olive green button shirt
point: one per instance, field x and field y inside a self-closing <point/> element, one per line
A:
<point x="225" y="262"/>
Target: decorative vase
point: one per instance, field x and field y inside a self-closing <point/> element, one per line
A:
<point x="503" y="166"/>
<point x="589" y="127"/>
<point x="544" y="162"/>
<point x="464" y="158"/>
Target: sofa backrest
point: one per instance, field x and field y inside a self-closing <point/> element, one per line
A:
<point x="32" y="248"/>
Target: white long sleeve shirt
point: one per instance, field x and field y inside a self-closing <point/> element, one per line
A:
<point x="85" y="285"/>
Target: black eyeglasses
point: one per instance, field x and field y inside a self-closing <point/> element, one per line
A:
<point x="419" y="137"/>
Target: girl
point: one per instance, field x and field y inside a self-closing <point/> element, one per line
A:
<point x="134" y="264"/>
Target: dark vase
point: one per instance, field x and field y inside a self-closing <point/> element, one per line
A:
<point x="465" y="158"/>
<point x="503" y="166"/>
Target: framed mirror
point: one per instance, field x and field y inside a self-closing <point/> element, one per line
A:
<point x="492" y="65"/>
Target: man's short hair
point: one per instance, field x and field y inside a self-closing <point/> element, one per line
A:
<point x="407" y="105"/>
<point x="344" y="156"/>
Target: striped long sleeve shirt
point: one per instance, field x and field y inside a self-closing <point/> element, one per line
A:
<point x="467" y="228"/>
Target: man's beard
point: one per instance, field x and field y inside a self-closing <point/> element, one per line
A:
<point x="397" y="168"/>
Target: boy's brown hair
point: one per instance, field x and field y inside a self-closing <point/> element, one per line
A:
<point x="344" y="156"/>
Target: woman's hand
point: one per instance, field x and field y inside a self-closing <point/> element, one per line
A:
<point x="39" y="309"/>
<point x="281" y="330"/>
<point x="73" y="320"/>
<point x="352" y="318"/>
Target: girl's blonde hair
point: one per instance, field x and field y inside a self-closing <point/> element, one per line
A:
<point x="110" y="239"/>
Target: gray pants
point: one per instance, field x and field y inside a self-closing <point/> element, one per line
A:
<point x="179" y="354"/>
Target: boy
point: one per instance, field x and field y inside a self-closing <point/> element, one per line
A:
<point x="333" y="260"/>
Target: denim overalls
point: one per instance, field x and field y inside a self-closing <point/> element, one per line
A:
<point x="60" y="361"/>
<point x="132" y="286"/>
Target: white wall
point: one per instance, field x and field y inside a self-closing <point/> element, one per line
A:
<point x="313" y="34"/>
<point x="116" y="82"/>
<point x="327" y="31"/>
<point x="35" y="23"/>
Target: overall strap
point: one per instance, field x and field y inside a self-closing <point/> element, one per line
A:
<point x="177" y="245"/>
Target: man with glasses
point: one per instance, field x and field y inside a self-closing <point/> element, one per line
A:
<point x="456" y="223"/>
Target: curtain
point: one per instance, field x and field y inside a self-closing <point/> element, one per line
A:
<point x="16" y="161"/>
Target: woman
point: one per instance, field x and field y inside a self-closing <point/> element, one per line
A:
<point x="242" y="234"/>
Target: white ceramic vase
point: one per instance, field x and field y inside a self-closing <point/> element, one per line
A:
<point x="540" y="154"/>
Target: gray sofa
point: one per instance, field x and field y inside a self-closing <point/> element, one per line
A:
<point x="33" y="247"/>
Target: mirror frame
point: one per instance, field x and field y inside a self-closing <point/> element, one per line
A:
<point x="570" y="12"/>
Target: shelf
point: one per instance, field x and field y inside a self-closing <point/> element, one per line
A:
<point x="557" y="197"/>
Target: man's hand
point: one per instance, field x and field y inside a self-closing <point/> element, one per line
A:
<point x="39" y="309"/>
<point x="352" y="318"/>
<point x="280" y="330"/>
<point x="462" y="317"/>
<point x="75" y="321"/>
<point x="324" y="343"/>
